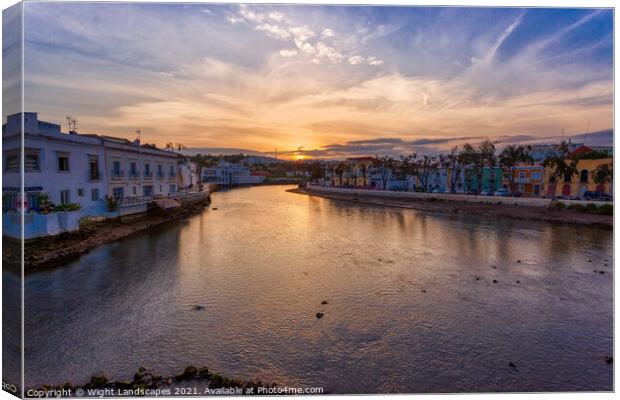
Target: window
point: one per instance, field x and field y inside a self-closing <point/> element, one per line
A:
<point x="94" y="194"/>
<point x="521" y="175"/>
<point x="80" y="192"/>
<point x="135" y="191"/>
<point x="173" y="188"/>
<point x="172" y="174"/>
<point x="147" y="169"/>
<point x="133" y="169"/>
<point x="65" y="197"/>
<point x="9" y="201"/>
<point x="160" y="189"/>
<point x="536" y="176"/>
<point x="33" y="200"/>
<point x="116" y="168"/>
<point x="93" y="168"/>
<point x="583" y="176"/>
<point x="160" y="171"/>
<point x="118" y="192"/>
<point x="31" y="163"/>
<point x="11" y="163"/>
<point x="148" y="190"/>
<point x="63" y="162"/>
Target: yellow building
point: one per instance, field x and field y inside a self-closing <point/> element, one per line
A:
<point x="577" y="185"/>
<point x="354" y="172"/>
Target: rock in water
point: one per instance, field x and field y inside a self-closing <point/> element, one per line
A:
<point x="98" y="380"/>
<point x="512" y="364"/>
<point x="609" y="360"/>
<point x="324" y="302"/>
<point x="199" y="307"/>
<point x="189" y="373"/>
<point x="319" y="315"/>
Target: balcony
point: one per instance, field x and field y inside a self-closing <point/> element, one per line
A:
<point x="117" y="174"/>
<point x="94" y="175"/>
<point x="148" y="174"/>
<point x="172" y="175"/>
<point x="134" y="174"/>
<point x="161" y="174"/>
<point x="132" y="201"/>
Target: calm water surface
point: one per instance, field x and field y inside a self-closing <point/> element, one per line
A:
<point x="405" y="312"/>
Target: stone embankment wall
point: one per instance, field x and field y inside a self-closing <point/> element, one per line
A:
<point x="519" y="201"/>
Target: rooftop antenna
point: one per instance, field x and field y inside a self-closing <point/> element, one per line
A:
<point x="72" y="124"/>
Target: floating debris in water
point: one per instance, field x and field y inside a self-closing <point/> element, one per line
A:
<point x="324" y="302"/>
<point x="512" y="364"/>
<point x="199" y="307"/>
<point x="609" y="360"/>
<point x="319" y="315"/>
<point x="494" y="280"/>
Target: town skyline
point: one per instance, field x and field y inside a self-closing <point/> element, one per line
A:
<point x="326" y="81"/>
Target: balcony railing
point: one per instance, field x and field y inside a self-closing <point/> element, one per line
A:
<point x="148" y="174"/>
<point x="161" y="174"/>
<point x="132" y="201"/>
<point x="94" y="175"/>
<point x="134" y="174"/>
<point x="117" y="174"/>
<point x="172" y="175"/>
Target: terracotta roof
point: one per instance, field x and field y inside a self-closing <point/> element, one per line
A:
<point x="259" y="173"/>
<point x="583" y="149"/>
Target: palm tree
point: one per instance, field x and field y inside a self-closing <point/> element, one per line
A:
<point x="510" y="157"/>
<point x="340" y="170"/>
<point x="602" y="174"/>
<point x="559" y="167"/>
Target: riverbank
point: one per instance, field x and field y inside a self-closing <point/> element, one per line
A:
<point x="469" y="208"/>
<point x="50" y="252"/>
<point x="192" y="381"/>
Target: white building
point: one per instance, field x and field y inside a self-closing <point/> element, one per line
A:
<point x="65" y="167"/>
<point x="229" y="174"/>
<point x="187" y="175"/>
<point x="137" y="174"/>
<point x="78" y="169"/>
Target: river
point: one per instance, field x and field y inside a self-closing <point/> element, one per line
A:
<point x="411" y="302"/>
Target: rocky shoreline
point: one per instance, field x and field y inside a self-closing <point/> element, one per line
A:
<point x="50" y="252"/>
<point x="554" y="215"/>
<point x="192" y="381"/>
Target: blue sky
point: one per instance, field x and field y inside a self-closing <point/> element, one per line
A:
<point x="326" y="78"/>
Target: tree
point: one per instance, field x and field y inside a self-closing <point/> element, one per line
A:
<point x="452" y="162"/>
<point x="558" y="167"/>
<point x="384" y="165"/>
<point x="486" y="158"/>
<point x="603" y="174"/>
<point x="510" y="157"/>
<point x="421" y="167"/>
<point x="467" y="158"/>
<point x="340" y="170"/>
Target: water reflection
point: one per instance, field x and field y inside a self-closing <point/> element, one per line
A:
<point x="405" y="311"/>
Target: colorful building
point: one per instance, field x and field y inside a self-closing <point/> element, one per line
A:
<point x="492" y="179"/>
<point x="576" y="185"/>
<point x="528" y="180"/>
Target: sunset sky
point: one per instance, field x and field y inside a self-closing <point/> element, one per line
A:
<point x="336" y="80"/>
